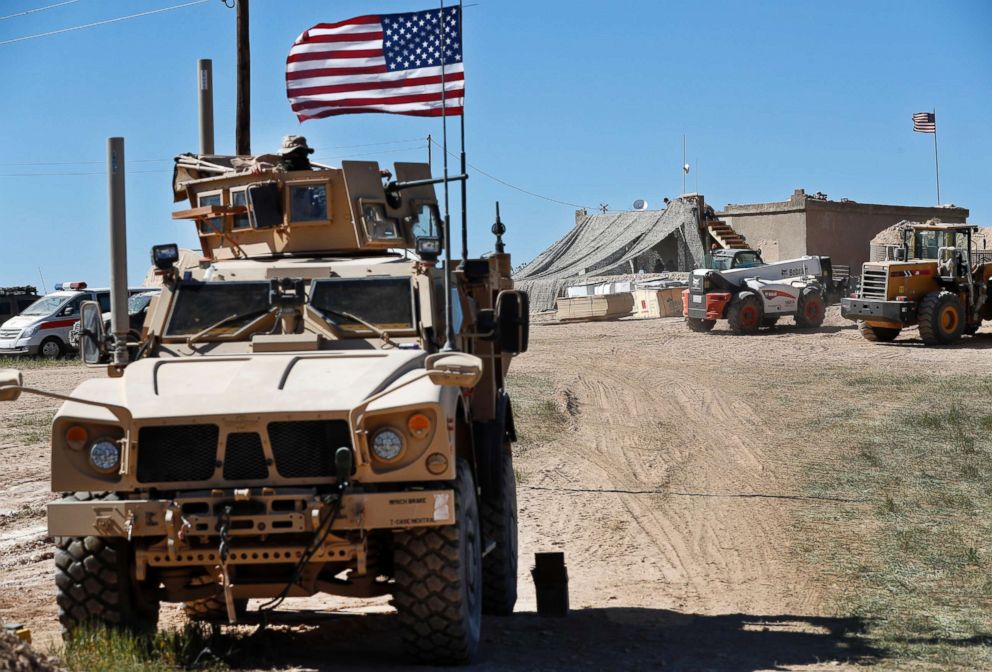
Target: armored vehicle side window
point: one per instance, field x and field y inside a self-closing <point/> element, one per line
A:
<point x="378" y="226"/>
<point x="307" y="202"/>
<point x="201" y="305"/>
<point x="240" y="197"/>
<point x="428" y="221"/>
<point x="214" y="225"/>
<point x="386" y="302"/>
<point x="457" y="316"/>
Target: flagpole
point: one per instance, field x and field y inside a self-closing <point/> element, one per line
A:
<point x="464" y="168"/>
<point x="936" y="161"/>
<point x="449" y="327"/>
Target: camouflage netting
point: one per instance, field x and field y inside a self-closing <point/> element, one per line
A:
<point x="603" y="244"/>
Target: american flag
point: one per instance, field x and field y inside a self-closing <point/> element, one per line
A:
<point x="925" y="122"/>
<point x="379" y="63"/>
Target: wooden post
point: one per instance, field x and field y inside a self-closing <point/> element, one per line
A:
<point x="242" y="130"/>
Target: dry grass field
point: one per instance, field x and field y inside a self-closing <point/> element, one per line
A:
<point x="798" y="500"/>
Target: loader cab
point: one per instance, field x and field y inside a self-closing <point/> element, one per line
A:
<point x="948" y="245"/>
<point x="725" y="260"/>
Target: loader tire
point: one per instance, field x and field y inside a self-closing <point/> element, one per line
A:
<point x="438" y="582"/>
<point x="877" y="334"/>
<point x="810" y="309"/>
<point x="698" y="325"/>
<point x="95" y="584"/>
<point x="213" y="609"/>
<point x="941" y="318"/>
<point x="498" y="514"/>
<point x="745" y="313"/>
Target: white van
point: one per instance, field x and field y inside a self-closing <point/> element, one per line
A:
<point x="43" y="327"/>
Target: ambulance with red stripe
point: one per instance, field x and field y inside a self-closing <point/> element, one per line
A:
<point x="43" y="327"/>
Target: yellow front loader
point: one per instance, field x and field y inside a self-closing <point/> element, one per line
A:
<point x="935" y="282"/>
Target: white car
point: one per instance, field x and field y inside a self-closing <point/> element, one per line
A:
<point x="43" y="327"/>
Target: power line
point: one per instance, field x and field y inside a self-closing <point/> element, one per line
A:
<point x="104" y="22"/>
<point x="513" y="186"/>
<point x="37" y="9"/>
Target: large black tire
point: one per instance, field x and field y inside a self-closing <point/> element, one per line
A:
<point x="51" y="348"/>
<point x="810" y="309"/>
<point x="941" y="318"/>
<point x="438" y="582"/>
<point x="95" y="584"/>
<point x="877" y="334"/>
<point x="213" y="609"/>
<point x="699" y="325"/>
<point x="498" y="517"/>
<point x="745" y="313"/>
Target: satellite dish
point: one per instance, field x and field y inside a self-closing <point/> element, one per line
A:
<point x="640" y="204"/>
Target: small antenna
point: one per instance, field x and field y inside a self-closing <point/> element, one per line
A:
<point x="498" y="230"/>
<point x="43" y="286"/>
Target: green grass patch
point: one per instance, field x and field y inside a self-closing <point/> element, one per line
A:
<point x="28" y="428"/>
<point x="539" y="408"/>
<point x="193" y="647"/>
<point x="915" y="561"/>
<point x="24" y="362"/>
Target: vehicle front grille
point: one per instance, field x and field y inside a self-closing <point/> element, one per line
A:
<point x="306" y="448"/>
<point x="9" y="333"/>
<point x="245" y="459"/>
<point x="873" y="282"/>
<point x="177" y="453"/>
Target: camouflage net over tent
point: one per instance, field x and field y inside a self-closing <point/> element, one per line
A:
<point x="603" y="244"/>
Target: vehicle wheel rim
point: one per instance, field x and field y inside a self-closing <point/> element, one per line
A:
<point x="50" y="349"/>
<point x="749" y="316"/>
<point x="813" y="310"/>
<point x="949" y="319"/>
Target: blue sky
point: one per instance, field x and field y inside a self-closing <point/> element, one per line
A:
<point x="584" y="102"/>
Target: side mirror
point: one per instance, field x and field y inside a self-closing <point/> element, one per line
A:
<point x="10" y="384"/>
<point x="454" y="368"/>
<point x="92" y="340"/>
<point x="512" y="321"/>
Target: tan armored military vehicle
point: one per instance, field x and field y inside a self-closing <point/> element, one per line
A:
<point x="292" y="423"/>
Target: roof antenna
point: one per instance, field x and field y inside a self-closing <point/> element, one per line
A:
<point x="498" y="230"/>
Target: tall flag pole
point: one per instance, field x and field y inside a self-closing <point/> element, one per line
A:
<point x="464" y="167"/>
<point x="449" y="329"/>
<point x="926" y="122"/>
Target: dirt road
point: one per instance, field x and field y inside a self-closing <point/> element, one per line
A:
<point x="665" y="464"/>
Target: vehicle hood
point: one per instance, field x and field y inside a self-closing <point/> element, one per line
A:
<point x="22" y="321"/>
<point x="248" y="385"/>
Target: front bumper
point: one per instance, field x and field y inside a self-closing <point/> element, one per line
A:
<point x="262" y="514"/>
<point x="878" y="310"/>
<point x="17" y="347"/>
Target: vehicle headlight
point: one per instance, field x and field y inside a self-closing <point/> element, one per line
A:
<point x="29" y="331"/>
<point x="387" y="444"/>
<point x="105" y="456"/>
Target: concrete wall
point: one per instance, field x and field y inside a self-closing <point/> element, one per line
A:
<point x="843" y="230"/>
<point x="780" y="234"/>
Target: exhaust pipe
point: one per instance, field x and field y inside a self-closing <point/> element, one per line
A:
<point x="119" y="324"/>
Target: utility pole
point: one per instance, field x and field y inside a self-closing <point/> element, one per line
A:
<point x="242" y="129"/>
<point x="205" y="88"/>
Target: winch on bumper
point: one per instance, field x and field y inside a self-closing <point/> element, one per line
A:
<point x="263" y="526"/>
<point x="878" y="310"/>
